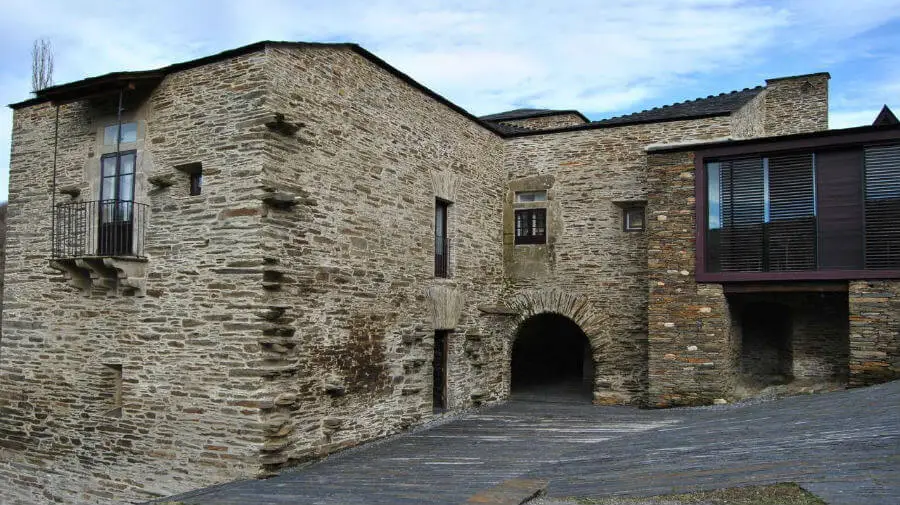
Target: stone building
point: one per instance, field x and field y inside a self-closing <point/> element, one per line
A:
<point x="227" y="266"/>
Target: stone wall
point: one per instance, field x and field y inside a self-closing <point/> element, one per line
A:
<point x="796" y="104"/>
<point x="749" y="121"/>
<point x="816" y="338"/>
<point x="189" y="395"/>
<point x="588" y="175"/>
<point x="548" y="122"/>
<point x="874" y="332"/>
<point x="692" y="354"/>
<point x="356" y="291"/>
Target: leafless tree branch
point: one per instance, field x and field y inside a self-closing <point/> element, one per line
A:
<point x="41" y="65"/>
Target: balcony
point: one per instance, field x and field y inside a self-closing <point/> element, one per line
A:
<point x="441" y="256"/>
<point x="99" y="245"/>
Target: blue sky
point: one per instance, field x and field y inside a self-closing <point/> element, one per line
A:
<point x="604" y="58"/>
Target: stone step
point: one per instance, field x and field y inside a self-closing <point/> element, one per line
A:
<point x="510" y="492"/>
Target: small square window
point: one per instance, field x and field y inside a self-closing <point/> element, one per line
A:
<point x="129" y="133"/>
<point x="196" y="183"/>
<point x="634" y="219"/>
<point x="531" y="196"/>
<point x="531" y="226"/>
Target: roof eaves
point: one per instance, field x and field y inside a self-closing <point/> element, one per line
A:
<point x="495" y="118"/>
<point x="415" y="84"/>
<point x="258" y="46"/>
<point x="766" y="140"/>
<point x="599" y="125"/>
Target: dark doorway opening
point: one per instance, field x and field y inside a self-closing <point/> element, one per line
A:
<point x="551" y="357"/>
<point x="766" y="351"/>
<point x="439" y="365"/>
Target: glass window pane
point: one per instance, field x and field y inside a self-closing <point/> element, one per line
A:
<point x="635" y="219"/>
<point x="126" y="164"/>
<point x="714" y="205"/>
<point x="129" y="132"/>
<point x="109" y="166"/>
<point x="108" y="189"/>
<point x="126" y="187"/>
<point x="107" y="211"/>
<point x="531" y="196"/>
<point x="109" y="135"/>
<point x="124" y="211"/>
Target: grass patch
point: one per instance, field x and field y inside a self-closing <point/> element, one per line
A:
<point x="786" y="493"/>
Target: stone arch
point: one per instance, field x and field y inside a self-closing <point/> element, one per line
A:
<point x="537" y="305"/>
<point x="575" y="307"/>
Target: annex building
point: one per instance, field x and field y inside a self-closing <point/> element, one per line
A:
<point x="227" y="266"/>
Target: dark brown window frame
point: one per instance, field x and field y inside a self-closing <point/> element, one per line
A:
<point x="632" y="208"/>
<point x="441" y="239"/>
<point x="862" y="137"/>
<point x="531" y="237"/>
<point x="196" y="182"/>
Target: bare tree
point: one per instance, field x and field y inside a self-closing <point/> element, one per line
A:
<point x="41" y="65"/>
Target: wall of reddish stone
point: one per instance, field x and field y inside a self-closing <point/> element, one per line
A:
<point x="692" y="350"/>
<point x="874" y="332"/>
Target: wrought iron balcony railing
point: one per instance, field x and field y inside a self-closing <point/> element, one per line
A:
<point x="441" y="256"/>
<point x="99" y="228"/>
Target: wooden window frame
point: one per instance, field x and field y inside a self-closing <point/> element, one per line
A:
<point x="859" y="137"/>
<point x="626" y="222"/>
<point x="531" y="238"/>
<point x="441" y="239"/>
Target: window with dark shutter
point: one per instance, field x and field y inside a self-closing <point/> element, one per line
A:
<point x="791" y="213"/>
<point x="742" y="215"/>
<point x="832" y="212"/>
<point x="839" y="209"/>
<point x="531" y="226"/>
<point x="882" y="207"/>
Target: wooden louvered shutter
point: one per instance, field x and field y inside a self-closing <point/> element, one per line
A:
<point x="882" y="209"/>
<point x="840" y="209"/>
<point x="791" y="231"/>
<point x="743" y="214"/>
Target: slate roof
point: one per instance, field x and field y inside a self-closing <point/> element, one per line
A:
<point x="514" y="114"/>
<point x="712" y="105"/>
<point x="885" y="117"/>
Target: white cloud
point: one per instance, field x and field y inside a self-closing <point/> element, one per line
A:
<point x="849" y="119"/>
<point x="603" y="58"/>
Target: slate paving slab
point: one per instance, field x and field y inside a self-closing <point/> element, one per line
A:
<point x="843" y="446"/>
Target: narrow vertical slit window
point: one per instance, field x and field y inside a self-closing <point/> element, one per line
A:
<point x="441" y="240"/>
<point x="196" y="183"/>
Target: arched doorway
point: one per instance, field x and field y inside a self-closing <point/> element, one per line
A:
<point x="551" y="357"/>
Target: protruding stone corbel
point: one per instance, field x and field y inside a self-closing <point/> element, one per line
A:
<point x="72" y="191"/>
<point x="280" y="200"/>
<point x="161" y="180"/>
<point x="279" y="125"/>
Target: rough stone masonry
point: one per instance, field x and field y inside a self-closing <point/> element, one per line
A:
<point x="287" y="308"/>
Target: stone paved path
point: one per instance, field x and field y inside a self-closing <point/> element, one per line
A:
<point x="844" y="447"/>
